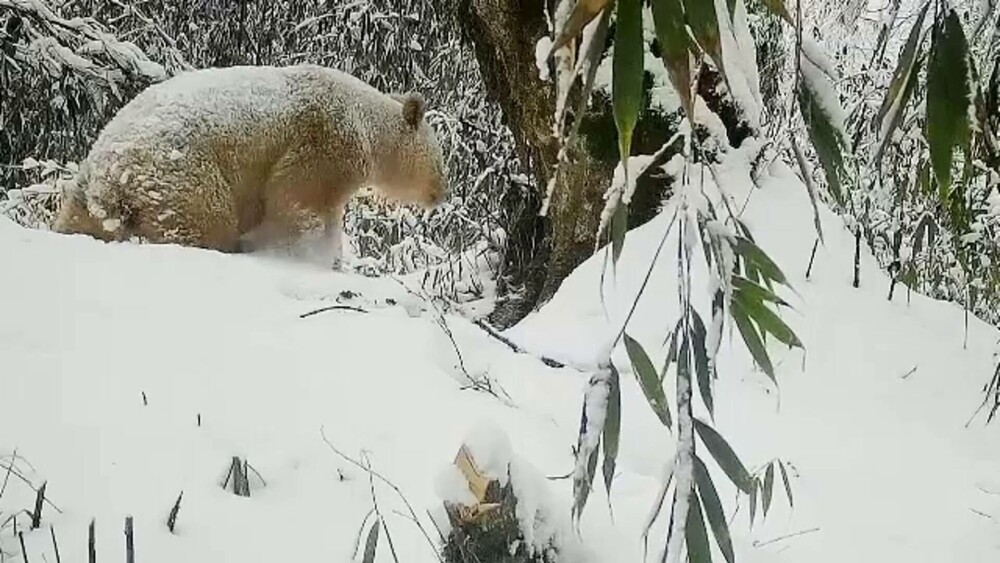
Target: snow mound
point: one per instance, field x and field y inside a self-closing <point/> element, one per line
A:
<point x="134" y="372"/>
<point x="871" y="417"/>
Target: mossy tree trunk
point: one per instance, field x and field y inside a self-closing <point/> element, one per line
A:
<point x="542" y="251"/>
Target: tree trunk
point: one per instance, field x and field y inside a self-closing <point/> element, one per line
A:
<point x="543" y="250"/>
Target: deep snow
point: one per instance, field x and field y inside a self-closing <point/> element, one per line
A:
<point x="884" y="468"/>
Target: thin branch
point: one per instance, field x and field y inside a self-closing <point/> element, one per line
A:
<point x="513" y="345"/>
<point x="391" y="485"/>
<point x="785" y="537"/>
<point x="333" y="308"/>
<point x="378" y="513"/>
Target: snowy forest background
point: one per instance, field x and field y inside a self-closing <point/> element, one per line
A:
<point x="857" y="96"/>
<point x="90" y="57"/>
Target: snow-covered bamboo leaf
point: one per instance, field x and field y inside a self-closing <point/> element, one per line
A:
<point x="699" y="550"/>
<point x="768" y="490"/>
<point x="766" y="319"/>
<point x="619" y="226"/>
<point x="753" y="501"/>
<point x="371" y="544"/>
<point x="752" y="339"/>
<point x="583" y="12"/>
<point x="702" y="366"/>
<point x="713" y="509"/>
<point x="593" y="418"/>
<point x="948" y="95"/>
<point x="902" y="83"/>
<point x="724" y="455"/>
<point x="627" y="66"/>
<point x="788" y="484"/>
<point x="649" y="381"/>
<point x="761" y="262"/>
<point x="756" y="291"/>
<point x="612" y="428"/>
<point x="581" y="488"/>
<point x="668" y="17"/>
<point x="824" y="135"/>
<point x="704" y="24"/>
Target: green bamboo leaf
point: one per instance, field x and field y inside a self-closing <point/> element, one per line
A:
<point x="701" y="364"/>
<point x="724" y="455"/>
<point x="756" y="291"/>
<point x="760" y="260"/>
<point x="713" y="509"/>
<point x="704" y="24"/>
<point x="371" y="543"/>
<point x="788" y="485"/>
<point x="619" y="226"/>
<point x="948" y="95"/>
<point x="668" y="17"/>
<point x="649" y="381"/>
<point x="752" y="339"/>
<point x="627" y="68"/>
<point x="699" y="550"/>
<point x="753" y="501"/>
<point x="766" y="319"/>
<point x="825" y="138"/>
<point x="903" y="81"/>
<point x="768" y="490"/>
<point x="612" y="427"/>
<point x="582" y="487"/>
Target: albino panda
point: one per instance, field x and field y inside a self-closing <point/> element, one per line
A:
<point x="236" y="158"/>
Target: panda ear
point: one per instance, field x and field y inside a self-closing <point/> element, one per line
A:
<point x="413" y="109"/>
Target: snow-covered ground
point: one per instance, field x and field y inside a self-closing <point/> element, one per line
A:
<point x="132" y="372"/>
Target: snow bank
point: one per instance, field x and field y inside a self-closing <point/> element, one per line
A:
<point x="871" y="416"/>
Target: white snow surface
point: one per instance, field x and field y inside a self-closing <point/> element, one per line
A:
<point x="884" y="468"/>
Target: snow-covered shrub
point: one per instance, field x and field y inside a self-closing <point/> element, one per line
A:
<point x="61" y="78"/>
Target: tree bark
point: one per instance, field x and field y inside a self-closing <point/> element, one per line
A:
<point x="543" y="250"/>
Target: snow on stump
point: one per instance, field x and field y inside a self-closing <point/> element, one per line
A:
<point x="480" y="495"/>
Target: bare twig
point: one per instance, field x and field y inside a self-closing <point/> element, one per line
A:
<point x="172" y="517"/>
<point x="55" y="544"/>
<point x="91" y="543"/>
<point x="24" y="552"/>
<point x="378" y="513"/>
<point x="129" y="540"/>
<point x="6" y="478"/>
<point x="983" y="514"/>
<point x="391" y="485"/>
<point x="785" y="537"/>
<point x="333" y="308"/>
<point x="513" y="345"/>
<point x="12" y="471"/>
<point x="36" y="515"/>
<point x="812" y="257"/>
